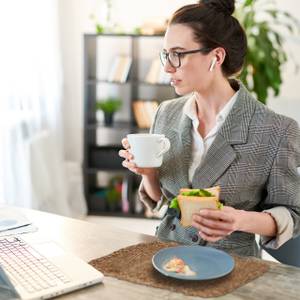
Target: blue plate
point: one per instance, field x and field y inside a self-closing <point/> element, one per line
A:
<point x="207" y="262"/>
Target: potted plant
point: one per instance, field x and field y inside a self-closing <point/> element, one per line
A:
<point x="109" y="106"/>
<point x="114" y="193"/>
<point x="265" y="27"/>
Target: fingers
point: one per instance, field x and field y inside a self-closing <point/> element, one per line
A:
<point x="128" y="162"/>
<point x="126" y="154"/>
<point x="214" y="225"/>
<point x="129" y="165"/>
<point x="133" y="168"/>
<point x="211" y="234"/>
<point x="216" y="214"/>
<point x="211" y="231"/>
<point x="220" y="227"/>
<point x="125" y="143"/>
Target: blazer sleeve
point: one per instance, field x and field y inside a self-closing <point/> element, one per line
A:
<point x="283" y="188"/>
<point x="154" y="209"/>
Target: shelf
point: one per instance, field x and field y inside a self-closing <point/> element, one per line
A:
<point x="109" y="147"/>
<point x="115" y="125"/>
<point x="117" y="214"/>
<point x="102" y="143"/>
<point x="93" y="171"/>
<point x="121" y="125"/>
<point x="140" y="130"/>
<point x="95" y="35"/>
<point x="154" y="84"/>
<point x="105" y="158"/>
<point x="94" y="81"/>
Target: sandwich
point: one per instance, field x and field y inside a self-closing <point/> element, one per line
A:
<point x="191" y="201"/>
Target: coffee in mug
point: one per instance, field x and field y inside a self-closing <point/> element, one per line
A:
<point x="148" y="149"/>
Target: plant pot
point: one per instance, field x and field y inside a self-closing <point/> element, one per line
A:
<point x="108" y="119"/>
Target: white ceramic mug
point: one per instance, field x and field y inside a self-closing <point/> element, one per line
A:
<point x="148" y="149"/>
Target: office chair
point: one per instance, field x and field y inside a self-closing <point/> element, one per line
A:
<point x="288" y="253"/>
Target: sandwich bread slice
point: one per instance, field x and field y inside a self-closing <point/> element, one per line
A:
<point x="191" y="201"/>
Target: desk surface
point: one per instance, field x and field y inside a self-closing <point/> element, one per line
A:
<point x="89" y="241"/>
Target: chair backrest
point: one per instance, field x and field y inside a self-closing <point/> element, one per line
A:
<point x="288" y="253"/>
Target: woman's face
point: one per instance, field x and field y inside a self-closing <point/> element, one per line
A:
<point x="193" y="74"/>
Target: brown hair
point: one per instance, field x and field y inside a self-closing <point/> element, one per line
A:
<point x="214" y="26"/>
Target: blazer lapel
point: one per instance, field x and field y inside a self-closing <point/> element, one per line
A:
<point x="185" y="135"/>
<point x="181" y="154"/>
<point x="234" y="131"/>
<point x="218" y="158"/>
<point x="174" y="171"/>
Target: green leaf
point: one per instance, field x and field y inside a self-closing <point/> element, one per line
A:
<point x="273" y="13"/>
<point x="99" y="29"/>
<point x="220" y="205"/>
<point x="109" y="105"/>
<point x="197" y="193"/>
<point x="174" y="203"/>
<point x="248" y="3"/>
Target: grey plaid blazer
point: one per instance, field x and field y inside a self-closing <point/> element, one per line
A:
<point x="255" y="158"/>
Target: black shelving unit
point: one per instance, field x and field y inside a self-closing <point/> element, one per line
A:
<point x="104" y="158"/>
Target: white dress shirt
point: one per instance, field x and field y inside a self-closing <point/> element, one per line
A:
<point x="200" y="145"/>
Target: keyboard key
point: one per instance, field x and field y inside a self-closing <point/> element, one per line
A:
<point x="27" y="267"/>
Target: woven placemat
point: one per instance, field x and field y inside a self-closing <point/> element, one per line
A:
<point x="134" y="264"/>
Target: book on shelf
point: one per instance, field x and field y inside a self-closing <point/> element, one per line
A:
<point x="124" y="198"/>
<point x="156" y="73"/>
<point x="120" y="68"/>
<point x="144" y="112"/>
<point x="139" y="115"/>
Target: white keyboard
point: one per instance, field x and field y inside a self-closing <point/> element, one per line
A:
<point x="26" y="267"/>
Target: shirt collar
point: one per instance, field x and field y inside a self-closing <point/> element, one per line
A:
<point x="190" y="108"/>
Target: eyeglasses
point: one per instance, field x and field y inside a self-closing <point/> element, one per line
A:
<point x="174" y="57"/>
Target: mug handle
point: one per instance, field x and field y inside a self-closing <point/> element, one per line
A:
<point x="166" y="146"/>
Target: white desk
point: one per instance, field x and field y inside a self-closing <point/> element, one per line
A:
<point x="90" y="241"/>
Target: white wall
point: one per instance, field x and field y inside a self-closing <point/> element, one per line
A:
<point x="75" y="21"/>
<point x="288" y="103"/>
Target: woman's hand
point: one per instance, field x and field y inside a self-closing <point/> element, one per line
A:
<point x="214" y="224"/>
<point x="127" y="163"/>
<point x="150" y="175"/>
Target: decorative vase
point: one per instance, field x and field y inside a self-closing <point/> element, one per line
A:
<point x="108" y="119"/>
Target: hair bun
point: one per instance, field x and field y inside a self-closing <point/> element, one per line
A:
<point x="225" y="6"/>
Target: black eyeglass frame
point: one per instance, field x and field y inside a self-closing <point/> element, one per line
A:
<point x="180" y="54"/>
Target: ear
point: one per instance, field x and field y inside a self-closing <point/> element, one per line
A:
<point x="220" y="54"/>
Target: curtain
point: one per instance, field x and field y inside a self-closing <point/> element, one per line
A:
<point x="31" y="143"/>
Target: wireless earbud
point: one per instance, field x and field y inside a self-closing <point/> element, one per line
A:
<point x="212" y="65"/>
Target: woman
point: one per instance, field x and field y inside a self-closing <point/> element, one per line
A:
<point x="221" y="135"/>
